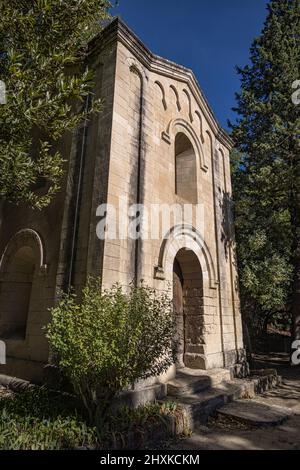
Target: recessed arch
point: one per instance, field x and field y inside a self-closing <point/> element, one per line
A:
<point x="214" y="154"/>
<point x="185" y="169"/>
<point x="181" y="125"/>
<point x="210" y="139"/>
<point x="25" y="237"/>
<point x="189" y="104"/>
<point x="21" y="264"/>
<point x="220" y="151"/>
<point x="163" y="94"/>
<point x="198" y="114"/>
<point x="135" y="67"/>
<point x="174" y="90"/>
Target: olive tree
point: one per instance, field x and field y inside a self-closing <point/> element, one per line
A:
<point x="43" y="64"/>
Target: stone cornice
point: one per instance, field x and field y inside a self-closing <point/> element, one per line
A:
<point x="118" y="31"/>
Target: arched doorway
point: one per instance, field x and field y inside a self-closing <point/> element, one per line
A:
<point x="188" y="303"/>
<point x="15" y="294"/>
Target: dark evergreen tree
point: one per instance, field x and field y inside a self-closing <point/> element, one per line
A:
<point x="266" y="168"/>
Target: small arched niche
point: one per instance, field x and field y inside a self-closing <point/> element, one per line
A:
<point x="15" y="294"/>
<point x="185" y="169"/>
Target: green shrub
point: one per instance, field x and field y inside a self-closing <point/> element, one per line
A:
<point x="111" y="339"/>
<point x="43" y="420"/>
<point x="40" y="420"/>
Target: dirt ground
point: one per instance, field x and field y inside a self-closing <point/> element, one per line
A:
<point x="234" y="436"/>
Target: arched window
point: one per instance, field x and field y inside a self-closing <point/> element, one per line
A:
<point x="15" y="294"/>
<point x="185" y="169"/>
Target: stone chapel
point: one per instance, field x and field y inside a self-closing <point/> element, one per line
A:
<point x="157" y="142"/>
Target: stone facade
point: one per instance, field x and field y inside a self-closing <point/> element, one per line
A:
<point x="156" y="142"/>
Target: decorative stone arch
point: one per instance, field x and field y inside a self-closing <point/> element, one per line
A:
<point x="174" y="90"/>
<point x="163" y="94"/>
<point x="214" y="153"/>
<point x="201" y="126"/>
<point x="181" y="125"/>
<point x="211" y="140"/>
<point x="186" y="93"/>
<point x="135" y="67"/>
<point x="26" y="237"/>
<point x="221" y="155"/>
<point x="186" y="236"/>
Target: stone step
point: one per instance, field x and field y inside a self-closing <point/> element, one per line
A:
<point x="189" y="381"/>
<point x="255" y="413"/>
<point x="199" y="406"/>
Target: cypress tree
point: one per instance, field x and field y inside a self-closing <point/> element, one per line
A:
<point x="266" y="169"/>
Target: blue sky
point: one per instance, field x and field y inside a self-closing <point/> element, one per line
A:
<point x="209" y="36"/>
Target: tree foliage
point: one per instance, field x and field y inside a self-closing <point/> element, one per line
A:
<point x="111" y="339"/>
<point x="266" y="169"/>
<point x="43" y="46"/>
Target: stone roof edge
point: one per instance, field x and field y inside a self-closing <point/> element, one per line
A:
<point x="118" y="31"/>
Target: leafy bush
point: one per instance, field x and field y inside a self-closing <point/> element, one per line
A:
<point x="111" y="339"/>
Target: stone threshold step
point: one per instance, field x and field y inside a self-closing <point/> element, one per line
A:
<point x="255" y="413"/>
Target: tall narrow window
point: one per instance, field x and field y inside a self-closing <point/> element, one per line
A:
<point x="185" y="169"/>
